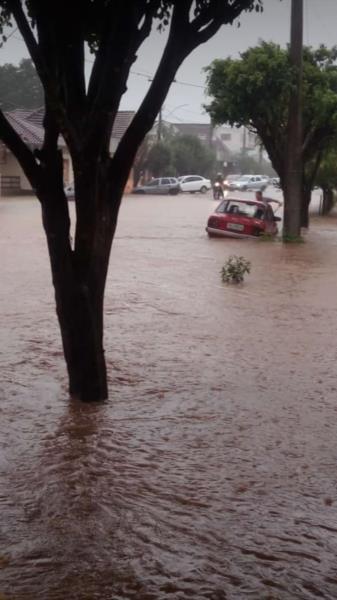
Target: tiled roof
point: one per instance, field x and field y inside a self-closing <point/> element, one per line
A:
<point x="28" y="124"/>
<point x="199" y="129"/>
<point x="122" y="122"/>
<point x="29" y="132"/>
<point x="36" y="116"/>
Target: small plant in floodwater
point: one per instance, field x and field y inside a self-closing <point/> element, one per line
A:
<point x="235" y="269"/>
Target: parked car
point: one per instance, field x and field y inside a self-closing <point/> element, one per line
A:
<point x="161" y="185"/>
<point x="242" y="218"/>
<point x="248" y="182"/>
<point x="194" y="183"/>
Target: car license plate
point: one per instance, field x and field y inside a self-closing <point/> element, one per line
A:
<point x="235" y="226"/>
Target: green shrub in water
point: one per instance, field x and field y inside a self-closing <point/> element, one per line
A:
<point x="235" y="269"/>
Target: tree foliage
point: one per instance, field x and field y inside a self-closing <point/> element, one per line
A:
<point x="20" y="86"/>
<point x="245" y="163"/>
<point x="159" y="160"/>
<point x="190" y="155"/>
<point x="254" y="91"/>
<point x="179" y="155"/>
<point x="326" y="176"/>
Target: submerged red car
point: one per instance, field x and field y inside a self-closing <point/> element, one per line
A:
<point x="242" y="218"/>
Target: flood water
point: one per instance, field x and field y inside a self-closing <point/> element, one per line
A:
<point x="211" y="471"/>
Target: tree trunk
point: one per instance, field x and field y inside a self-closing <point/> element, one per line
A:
<point x="79" y="276"/>
<point x="328" y="200"/>
<point x="80" y="319"/>
<point x="305" y="203"/>
<point x="292" y="210"/>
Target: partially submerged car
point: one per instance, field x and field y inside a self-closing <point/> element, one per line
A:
<point x="161" y="185"/>
<point x="240" y="218"/>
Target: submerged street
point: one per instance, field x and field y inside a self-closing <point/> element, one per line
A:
<point x="210" y="473"/>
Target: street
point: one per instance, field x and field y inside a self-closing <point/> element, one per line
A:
<point x="210" y="472"/>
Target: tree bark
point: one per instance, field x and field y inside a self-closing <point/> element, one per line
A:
<point x="294" y="157"/>
<point x="305" y="203"/>
<point x="79" y="275"/>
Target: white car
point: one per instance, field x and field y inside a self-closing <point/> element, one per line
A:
<point x="249" y="182"/>
<point x="194" y="183"/>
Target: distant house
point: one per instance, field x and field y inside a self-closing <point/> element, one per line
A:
<point x="28" y="124"/>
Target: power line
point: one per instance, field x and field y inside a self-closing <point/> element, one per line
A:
<point x="148" y="76"/>
<point x="11" y="33"/>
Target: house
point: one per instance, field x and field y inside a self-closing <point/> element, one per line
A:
<point x="29" y="126"/>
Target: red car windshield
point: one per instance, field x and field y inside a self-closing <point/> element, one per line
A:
<point x="244" y="209"/>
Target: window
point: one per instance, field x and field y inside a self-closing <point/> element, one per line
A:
<point x="153" y="183"/>
<point x="165" y="181"/>
<point x="223" y="206"/>
<point x="241" y="208"/>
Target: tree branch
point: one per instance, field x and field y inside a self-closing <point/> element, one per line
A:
<point x="126" y="27"/>
<point x="176" y="49"/>
<point x="214" y="15"/>
<point x="30" y="41"/>
<point x="20" y="150"/>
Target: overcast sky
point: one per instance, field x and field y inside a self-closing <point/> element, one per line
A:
<point x="184" y="102"/>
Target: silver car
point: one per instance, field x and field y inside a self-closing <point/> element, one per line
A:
<point x="249" y="182"/>
<point x="161" y="185"/>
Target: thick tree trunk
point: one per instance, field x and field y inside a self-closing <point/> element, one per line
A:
<point x="80" y="321"/>
<point x="79" y="276"/>
<point x="292" y="211"/>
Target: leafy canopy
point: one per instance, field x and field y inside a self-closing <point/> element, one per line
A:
<point x="254" y="91"/>
<point x="20" y="86"/>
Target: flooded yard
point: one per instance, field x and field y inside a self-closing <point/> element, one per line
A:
<point x="211" y="471"/>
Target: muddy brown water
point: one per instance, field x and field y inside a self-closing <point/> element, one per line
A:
<point x="211" y="471"/>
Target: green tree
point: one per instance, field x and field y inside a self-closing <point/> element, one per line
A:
<point x="20" y="86"/>
<point x="190" y="155"/>
<point x="248" y="164"/>
<point x="254" y="91"/>
<point x="56" y="34"/>
<point x="159" y="160"/>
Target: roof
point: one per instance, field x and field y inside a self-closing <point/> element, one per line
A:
<point x="122" y="122"/>
<point x="201" y="130"/>
<point x="29" y="132"/>
<point x="28" y="124"/>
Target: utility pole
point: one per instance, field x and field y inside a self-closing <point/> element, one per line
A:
<point x="294" y="159"/>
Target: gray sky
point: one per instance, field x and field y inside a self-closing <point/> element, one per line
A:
<point x="320" y="26"/>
